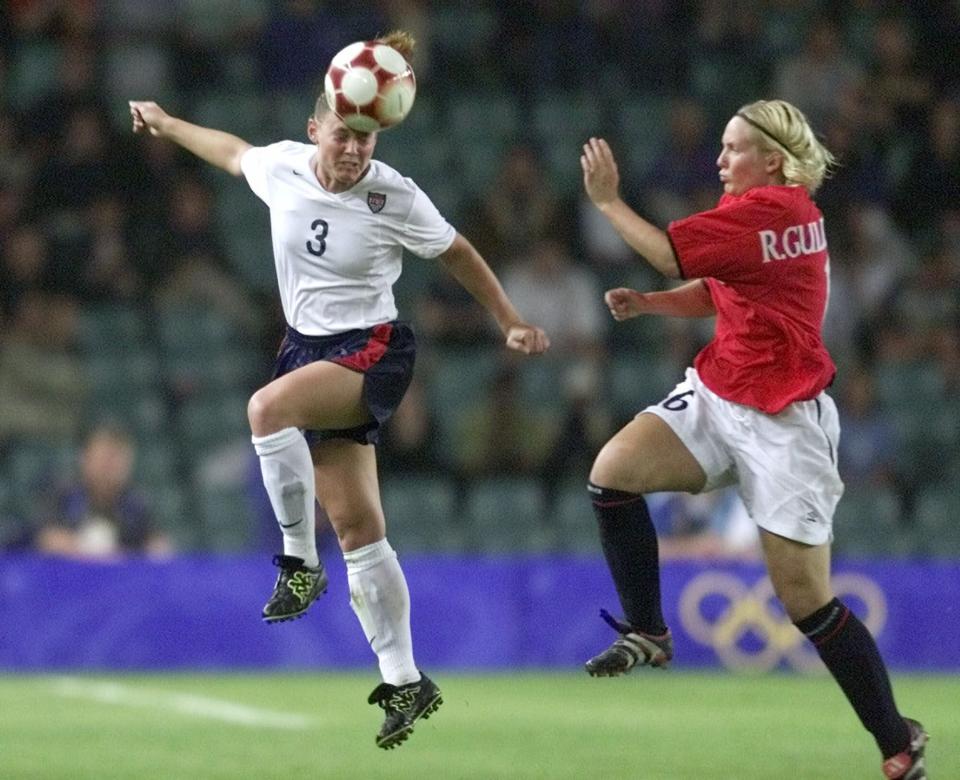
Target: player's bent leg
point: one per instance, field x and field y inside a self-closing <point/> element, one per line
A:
<point x="349" y="491"/>
<point x="645" y="456"/>
<point x="318" y="395"/>
<point x="800" y="575"/>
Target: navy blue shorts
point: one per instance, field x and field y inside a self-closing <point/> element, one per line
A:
<point x="384" y="354"/>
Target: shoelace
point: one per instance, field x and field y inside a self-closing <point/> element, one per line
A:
<point x="617" y="625"/>
<point x="389" y="697"/>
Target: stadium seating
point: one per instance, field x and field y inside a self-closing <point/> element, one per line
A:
<point x="508" y="515"/>
<point x="937" y="520"/>
<point x="422" y="513"/>
<point x="869" y="522"/>
<point x="637" y="380"/>
<point x="643" y="120"/>
<point x="32" y="72"/>
<point x="572" y="516"/>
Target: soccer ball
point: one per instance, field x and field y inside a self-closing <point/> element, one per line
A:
<point x="370" y="86"/>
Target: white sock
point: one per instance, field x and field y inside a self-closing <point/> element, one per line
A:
<point x="288" y="477"/>
<point x="381" y="601"/>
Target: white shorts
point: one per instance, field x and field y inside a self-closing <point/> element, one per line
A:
<point x="784" y="465"/>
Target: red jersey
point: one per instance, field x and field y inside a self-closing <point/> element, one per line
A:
<point x="764" y="258"/>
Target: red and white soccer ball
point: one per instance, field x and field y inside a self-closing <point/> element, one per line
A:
<point x="370" y="86"/>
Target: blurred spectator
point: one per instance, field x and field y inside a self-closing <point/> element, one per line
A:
<point x="703" y="526"/>
<point x="109" y="273"/>
<point x="868" y="450"/>
<point x="503" y="434"/>
<point x="898" y="90"/>
<point x="15" y="164"/>
<point x="518" y="210"/>
<point x="585" y="425"/>
<point x="869" y="258"/>
<point x="632" y="31"/>
<point x="42" y="384"/>
<point x="100" y="514"/>
<point x="932" y="180"/>
<point x="210" y="44"/>
<point x="602" y="246"/>
<point x="78" y="172"/>
<point x="447" y="314"/>
<point x="24" y="267"/>
<point x="191" y="262"/>
<point x="78" y="85"/>
<point x="820" y="75"/>
<point x="85" y="217"/>
<point x="923" y="309"/>
<point x="861" y="175"/>
<point x="556" y="35"/>
<point x="684" y="167"/>
<point x="294" y="27"/>
<point x="410" y="439"/>
<point x="550" y="287"/>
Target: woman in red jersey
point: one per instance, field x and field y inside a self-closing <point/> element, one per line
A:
<point x="751" y="411"/>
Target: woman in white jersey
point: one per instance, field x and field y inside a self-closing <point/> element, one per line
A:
<point x="340" y="222"/>
<point x="752" y="410"/>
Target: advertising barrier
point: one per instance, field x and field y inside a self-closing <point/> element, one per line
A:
<point x="468" y="613"/>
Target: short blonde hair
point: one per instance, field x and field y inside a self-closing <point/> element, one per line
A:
<point x="782" y="127"/>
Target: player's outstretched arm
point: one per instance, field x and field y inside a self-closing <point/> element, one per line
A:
<point x="213" y="146"/>
<point x="472" y="271"/>
<point x="688" y="300"/>
<point x="601" y="180"/>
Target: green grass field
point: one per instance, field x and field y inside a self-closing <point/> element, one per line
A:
<point x="524" y="725"/>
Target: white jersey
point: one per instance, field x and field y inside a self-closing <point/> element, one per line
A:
<point x="338" y="255"/>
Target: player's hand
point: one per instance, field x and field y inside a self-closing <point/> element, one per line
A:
<point x="625" y="303"/>
<point x="148" y="116"/>
<point x="601" y="178"/>
<point x="527" y="339"/>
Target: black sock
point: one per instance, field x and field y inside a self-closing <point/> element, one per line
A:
<point x="851" y="655"/>
<point x="629" y="543"/>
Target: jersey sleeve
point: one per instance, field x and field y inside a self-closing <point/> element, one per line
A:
<point x="259" y="162"/>
<point x="722" y="243"/>
<point x="255" y="166"/>
<point x="425" y="232"/>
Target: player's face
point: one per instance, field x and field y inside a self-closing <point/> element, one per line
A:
<point x="743" y="164"/>
<point x="343" y="155"/>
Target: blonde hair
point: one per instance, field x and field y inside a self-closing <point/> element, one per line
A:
<point x="400" y="40"/>
<point x="782" y="127"/>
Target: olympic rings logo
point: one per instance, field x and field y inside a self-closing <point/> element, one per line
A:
<point x="748" y="629"/>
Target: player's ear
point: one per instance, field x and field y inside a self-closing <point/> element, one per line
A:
<point x="774" y="162"/>
<point x="312" y="129"/>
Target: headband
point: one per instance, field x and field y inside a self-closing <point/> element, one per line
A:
<point x="764" y="130"/>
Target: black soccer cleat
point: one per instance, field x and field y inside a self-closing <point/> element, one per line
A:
<point x="910" y="764"/>
<point x="404" y="705"/>
<point x="297" y="587"/>
<point x="633" y="648"/>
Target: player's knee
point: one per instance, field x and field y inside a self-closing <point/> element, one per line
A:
<point x="354" y="528"/>
<point x="614" y="469"/>
<point x="260" y="414"/>
<point x="801" y="597"/>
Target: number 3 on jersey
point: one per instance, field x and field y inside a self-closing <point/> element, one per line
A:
<point x="318" y="245"/>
